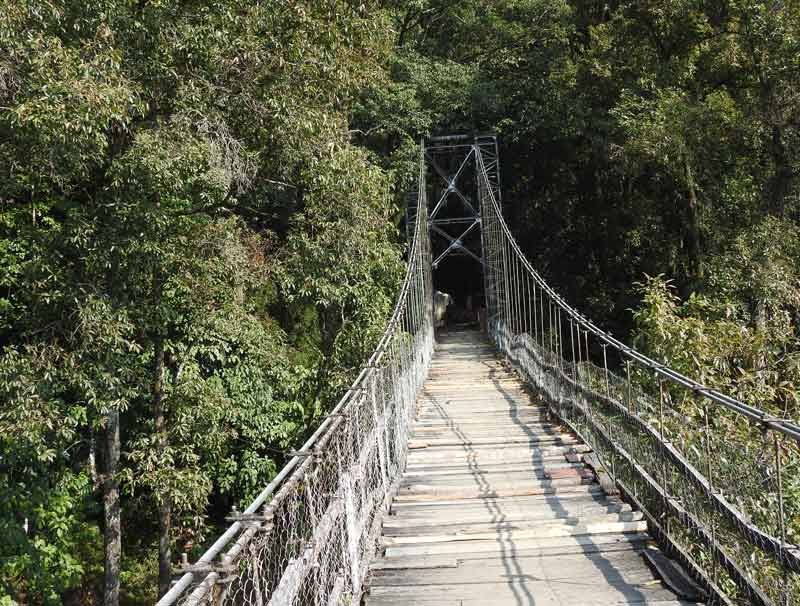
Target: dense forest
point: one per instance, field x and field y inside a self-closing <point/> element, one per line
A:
<point x="201" y="210"/>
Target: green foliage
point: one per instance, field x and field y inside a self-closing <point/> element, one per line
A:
<point x="180" y="188"/>
<point x="198" y="208"/>
<point x="58" y="552"/>
<point x="340" y="260"/>
<point x="641" y="138"/>
<point x="739" y="336"/>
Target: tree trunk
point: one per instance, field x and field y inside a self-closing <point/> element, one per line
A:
<point x="781" y="181"/>
<point x="693" y="225"/>
<point x="408" y="20"/>
<point x="112" y="531"/>
<point x="164" y="501"/>
<point x="164" y="546"/>
<point x="329" y="327"/>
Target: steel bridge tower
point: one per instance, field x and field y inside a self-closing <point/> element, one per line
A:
<point x="454" y="208"/>
<point x="455" y="165"/>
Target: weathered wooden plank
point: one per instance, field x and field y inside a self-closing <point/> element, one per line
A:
<point x="542" y="531"/>
<point x="496" y="505"/>
<point x="626" y="565"/>
<point x="468" y="464"/>
<point x="452" y="388"/>
<point x="497" y="392"/>
<point x="533" y="505"/>
<point x="460" y="495"/>
<point x="469" y="515"/>
<point x="482" y="404"/>
<point x="535" y="468"/>
<point x="465" y="528"/>
<point x="586" y="494"/>
<point x="501" y="545"/>
<point x="501" y="420"/>
<point x="495" y="552"/>
<point x="487" y="460"/>
<point x="456" y="457"/>
<point x="499" y="477"/>
<point x="533" y="591"/>
<point x="476" y="394"/>
<point x="675" y="577"/>
<point x="500" y="423"/>
<point x="466" y="433"/>
<point x="433" y="417"/>
<point x="488" y="415"/>
<point x="514" y="600"/>
<point x="456" y="375"/>
<point x="506" y="480"/>
<point x="425" y="492"/>
<point x="499" y="441"/>
<point x="582" y="494"/>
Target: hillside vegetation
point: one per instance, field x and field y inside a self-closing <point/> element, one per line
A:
<point x="200" y="213"/>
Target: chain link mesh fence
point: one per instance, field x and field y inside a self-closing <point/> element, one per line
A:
<point x="309" y="537"/>
<point x="716" y="478"/>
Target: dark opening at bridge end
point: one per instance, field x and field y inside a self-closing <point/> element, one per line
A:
<point x="462" y="278"/>
<point x="452" y="165"/>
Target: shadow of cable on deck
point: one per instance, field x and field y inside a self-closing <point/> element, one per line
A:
<point x="530" y="567"/>
<point x="514" y="573"/>
<point x="590" y="548"/>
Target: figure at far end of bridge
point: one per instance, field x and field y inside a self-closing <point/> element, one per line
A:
<point x="441" y="301"/>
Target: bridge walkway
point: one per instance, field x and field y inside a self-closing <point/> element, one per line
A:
<point x="496" y="507"/>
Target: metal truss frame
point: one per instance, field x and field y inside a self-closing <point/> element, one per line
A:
<point x="469" y="214"/>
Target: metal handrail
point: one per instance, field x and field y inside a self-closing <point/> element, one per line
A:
<point x="572" y="393"/>
<point x="787" y="427"/>
<point x="205" y="561"/>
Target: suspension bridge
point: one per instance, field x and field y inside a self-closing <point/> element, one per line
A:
<point x="537" y="462"/>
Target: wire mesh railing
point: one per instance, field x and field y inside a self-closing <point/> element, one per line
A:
<point x="717" y="479"/>
<point x="309" y="536"/>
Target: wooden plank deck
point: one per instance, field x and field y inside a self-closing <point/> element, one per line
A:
<point x="495" y="508"/>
